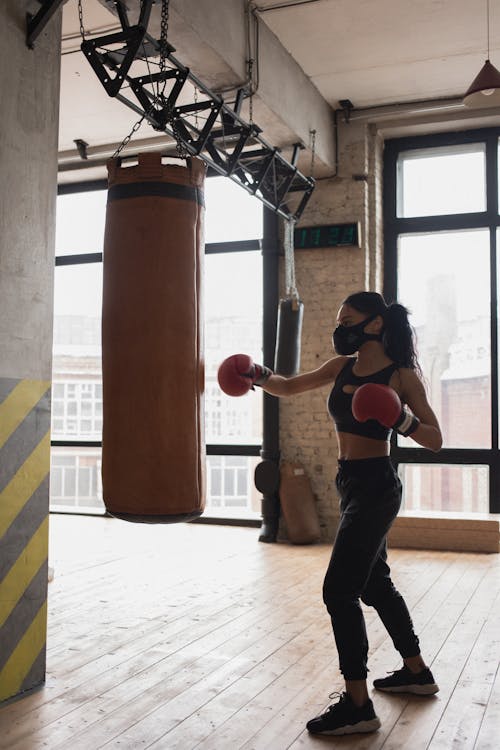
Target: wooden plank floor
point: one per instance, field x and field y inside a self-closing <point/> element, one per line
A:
<point x="194" y="636"/>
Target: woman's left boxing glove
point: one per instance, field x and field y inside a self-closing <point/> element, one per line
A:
<point x="238" y="374"/>
<point x="381" y="402"/>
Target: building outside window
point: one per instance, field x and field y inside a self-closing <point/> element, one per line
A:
<point x="233" y="323"/>
<point x="441" y="219"/>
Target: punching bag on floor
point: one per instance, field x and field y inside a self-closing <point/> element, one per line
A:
<point x="153" y="446"/>
<point x="298" y="505"/>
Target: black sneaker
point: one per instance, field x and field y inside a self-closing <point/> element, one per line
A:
<point x="345" y="718"/>
<point x="406" y="681"/>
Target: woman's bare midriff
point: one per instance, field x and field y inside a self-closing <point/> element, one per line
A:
<point x="352" y="447"/>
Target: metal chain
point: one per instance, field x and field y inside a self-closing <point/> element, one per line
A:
<point x="163" y="34"/>
<point x="128" y="137"/>
<point x="80" y="17"/>
<point x="181" y="150"/>
<point x="313" y="150"/>
<point x="250" y="79"/>
<point x="196" y="111"/>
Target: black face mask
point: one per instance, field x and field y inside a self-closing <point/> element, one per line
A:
<point x="348" y="339"/>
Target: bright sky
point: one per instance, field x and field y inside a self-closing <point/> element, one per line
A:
<point x="446" y="258"/>
<point x="231" y="281"/>
<point x="454" y="182"/>
<point x="231" y="214"/>
<point x="437" y="183"/>
<point x="442" y="184"/>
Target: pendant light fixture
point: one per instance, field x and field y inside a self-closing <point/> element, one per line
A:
<point x="484" y="90"/>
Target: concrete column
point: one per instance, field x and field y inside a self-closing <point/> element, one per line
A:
<point x="29" y="92"/>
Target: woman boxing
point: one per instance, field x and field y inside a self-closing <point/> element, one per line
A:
<point x="369" y="490"/>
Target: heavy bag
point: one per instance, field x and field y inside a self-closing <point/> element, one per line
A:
<point x="298" y="505"/>
<point x="153" y="445"/>
<point x="288" y="337"/>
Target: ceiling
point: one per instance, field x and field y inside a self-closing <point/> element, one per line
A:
<point x="376" y="52"/>
<point x="373" y="52"/>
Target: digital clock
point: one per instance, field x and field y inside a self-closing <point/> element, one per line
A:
<point x="332" y="235"/>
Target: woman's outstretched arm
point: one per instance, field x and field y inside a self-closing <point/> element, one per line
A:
<point x="277" y="385"/>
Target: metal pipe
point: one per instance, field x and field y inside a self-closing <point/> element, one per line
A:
<point x="96" y="154"/>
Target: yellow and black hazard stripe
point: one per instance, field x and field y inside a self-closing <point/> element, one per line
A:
<point x="24" y="506"/>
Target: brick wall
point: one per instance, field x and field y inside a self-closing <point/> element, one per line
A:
<point x="324" y="278"/>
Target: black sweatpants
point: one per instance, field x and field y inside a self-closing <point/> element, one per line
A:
<point x="370" y="497"/>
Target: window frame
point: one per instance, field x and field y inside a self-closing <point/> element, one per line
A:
<point x="269" y="247"/>
<point x="489" y="219"/>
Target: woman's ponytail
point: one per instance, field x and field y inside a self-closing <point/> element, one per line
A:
<point x="399" y="337"/>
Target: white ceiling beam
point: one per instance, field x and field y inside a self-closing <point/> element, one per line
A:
<point x="210" y="38"/>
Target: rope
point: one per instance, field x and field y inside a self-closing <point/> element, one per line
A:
<point x="313" y="150"/>
<point x="290" y="283"/>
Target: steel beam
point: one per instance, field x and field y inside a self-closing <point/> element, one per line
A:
<point x="35" y="24"/>
<point x="206" y="127"/>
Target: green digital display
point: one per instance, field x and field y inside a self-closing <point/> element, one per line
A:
<point x="333" y="235"/>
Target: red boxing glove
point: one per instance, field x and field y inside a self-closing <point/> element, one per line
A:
<point x="238" y="374"/>
<point x="381" y="402"/>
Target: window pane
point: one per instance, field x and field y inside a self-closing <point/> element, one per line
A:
<point x="438" y="181"/>
<point x="84" y="482"/>
<point x="444" y="279"/>
<point x="77" y="309"/>
<point x="75" y="479"/>
<point x="232" y="213"/>
<point x="80" y="222"/>
<point x="69" y="481"/>
<point x="57" y="408"/>
<point x="445" y="488"/>
<point x="76" y="373"/>
<point x="231" y="491"/>
<point x="233" y="320"/>
<point x="215" y="482"/>
<point x="242" y="481"/>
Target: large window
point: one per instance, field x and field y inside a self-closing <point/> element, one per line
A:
<point x="233" y="309"/>
<point x="444" y="279"/>
<point x="441" y="219"/>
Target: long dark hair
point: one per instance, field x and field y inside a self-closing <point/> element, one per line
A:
<point x="398" y="337"/>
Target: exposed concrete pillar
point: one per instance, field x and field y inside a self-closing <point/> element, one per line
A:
<point x="287" y="105"/>
<point x="29" y="92"/>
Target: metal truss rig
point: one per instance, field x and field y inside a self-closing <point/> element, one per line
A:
<point x="126" y="63"/>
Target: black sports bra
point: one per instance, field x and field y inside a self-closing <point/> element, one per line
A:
<point x="340" y="402"/>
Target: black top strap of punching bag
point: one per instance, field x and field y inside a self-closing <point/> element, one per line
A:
<point x="163" y="189"/>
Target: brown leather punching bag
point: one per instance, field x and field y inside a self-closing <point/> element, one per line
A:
<point x="153" y="446"/>
<point x="298" y="505"/>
